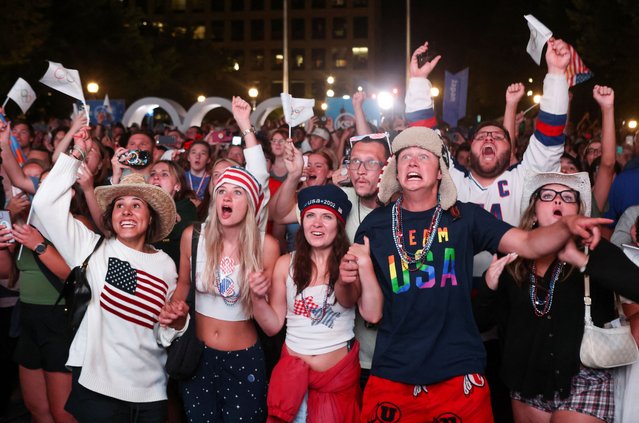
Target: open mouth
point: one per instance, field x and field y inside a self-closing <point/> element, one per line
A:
<point x="316" y="233"/>
<point x="488" y="151"/>
<point x="127" y="224"/>
<point x="413" y="176"/>
<point x="557" y="213"/>
<point x="226" y="211"/>
<point x="312" y="177"/>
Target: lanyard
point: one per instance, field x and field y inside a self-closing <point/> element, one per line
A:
<point x="197" y="191"/>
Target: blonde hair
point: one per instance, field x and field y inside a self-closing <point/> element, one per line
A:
<point x="250" y="257"/>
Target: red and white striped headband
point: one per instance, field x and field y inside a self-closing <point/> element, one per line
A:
<point x="242" y="178"/>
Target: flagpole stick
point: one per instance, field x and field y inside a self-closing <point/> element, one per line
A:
<point x="289" y="130"/>
<point x="22" y="245"/>
<point x="530" y="108"/>
<point x="6" y="100"/>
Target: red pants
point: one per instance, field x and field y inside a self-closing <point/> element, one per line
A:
<point x="462" y="399"/>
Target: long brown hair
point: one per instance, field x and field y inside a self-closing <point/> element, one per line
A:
<point x="303" y="265"/>
<point x="520" y="268"/>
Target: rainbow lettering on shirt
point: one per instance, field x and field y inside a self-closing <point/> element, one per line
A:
<point x="448" y="272"/>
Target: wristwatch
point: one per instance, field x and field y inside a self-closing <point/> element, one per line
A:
<point x="248" y="131"/>
<point x="40" y="248"/>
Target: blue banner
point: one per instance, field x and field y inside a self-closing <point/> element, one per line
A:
<point x="100" y="114"/>
<point x="343" y="115"/>
<point x="455" y="95"/>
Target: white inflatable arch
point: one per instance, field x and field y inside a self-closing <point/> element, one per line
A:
<point x="264" y="109"/>
<point x="198" y="110"/>
<point x="135" y="113"/>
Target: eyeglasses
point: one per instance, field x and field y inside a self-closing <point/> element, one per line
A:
<point x="355" y="164"/>
<point x="568" y="196"/>
<point x="497" y="136"/>
<point x="278" y="141"/>
<point x="380" y="136"/>
<point x="591" y="150"/>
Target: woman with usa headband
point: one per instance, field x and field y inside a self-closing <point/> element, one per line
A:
<point x="539" y="306"/>
<point x="229" y="384"/>
<point x="317" y="377"/>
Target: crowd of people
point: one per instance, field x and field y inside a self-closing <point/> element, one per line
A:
<point x="407" y="272"/>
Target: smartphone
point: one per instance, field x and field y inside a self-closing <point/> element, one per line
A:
<point x="236" y="140"/>
<point x="305" y="158"/>
<point x="5" y="219"/>
<point x="425" y="57"/>
<point x="166" y="140"/>
<point x="135" y="158"/>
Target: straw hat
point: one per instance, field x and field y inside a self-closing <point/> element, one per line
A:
<point x="426" y="138"/>
<point x="580" y="182"/>
<point x="135" y="185"/>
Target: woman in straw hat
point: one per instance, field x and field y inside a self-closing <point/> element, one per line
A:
<point x="539" y="305"/>
<point x="229" y="384"/>
<point x="117" y="355"/>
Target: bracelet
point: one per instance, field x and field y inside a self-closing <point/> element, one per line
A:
<point x="247" y="131"/>
<point x="79" y="150"/>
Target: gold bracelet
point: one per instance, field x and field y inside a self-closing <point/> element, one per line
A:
<point x="247" y="131"/>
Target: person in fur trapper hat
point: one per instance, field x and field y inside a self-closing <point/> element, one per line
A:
<point x="429" y="359"/>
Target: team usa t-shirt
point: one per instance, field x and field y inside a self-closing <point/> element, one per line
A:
<point x="428" y="333"/>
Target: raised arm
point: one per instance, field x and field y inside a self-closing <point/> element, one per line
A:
<point x="30" y="237"/>
<point x="547" y="142"/>
<point x="605" y="97"/>
<point x="419" y="103"/>
<point x="361" y="124"/>
<point x="514" y="94"/>
<point x="79" y="122"/>
<point x="10" y="164"/>
<point x="284" y="200"/>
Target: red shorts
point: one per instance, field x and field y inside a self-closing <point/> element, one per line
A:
<point x="462" y="399"/>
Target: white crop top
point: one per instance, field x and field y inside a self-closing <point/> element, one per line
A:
<point x="223" y="301"/>
<point x="316" y="324"/>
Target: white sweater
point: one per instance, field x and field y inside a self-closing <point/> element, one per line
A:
<point x="118" y="342"/>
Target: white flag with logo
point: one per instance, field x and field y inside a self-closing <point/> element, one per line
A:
<point x="296" y="110"/>
<point x="107" y="105"/>
<point x="539" y="36"/>
<point x="64" y="80"/>
<point x="22" y="94"/>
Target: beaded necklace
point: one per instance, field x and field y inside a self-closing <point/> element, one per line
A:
<point x="546" y="303"/>
<point x="229" y="296"/>
<point x="398" y="236"/>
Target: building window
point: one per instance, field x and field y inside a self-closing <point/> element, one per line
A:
<point x="217" y="30"/>
<point x="257" y="30"/>
<point x="237" y="5"/>
<point x="277" y="29"/>
<point x="178" y="5"/>
<point x="360" y="57"/>
<point x="257" y="4"/>
<point x="297" y="58"/>
<point x="199" y="32"/>
<point x="197" y="5"/>
<point x="298" y="4"/>
<point x="297" y="89"/>
<point x="318" y="4"/>
<point x="339" y="27"/>
<point x="338" y="3"/>
<point x="179" y="31"/>
<point x="318" y="28"/>
<point x="237" y="30"/>
<point x="298" y="29"/>
<point x="277" y="59"/>
<point x="277" y="4"/>
<point x="360" y="27"/>
<point x="360" y="3"/>
<point x="318" y="88"/>
<point x="237" y="59"/>
<point x="258" y="60"/>
<point x="318" y="58"/>
<point x="339" y="58"/>
<point x="217" y="5"/>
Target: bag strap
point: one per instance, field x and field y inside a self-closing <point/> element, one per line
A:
<point x="83" y="268"/>
<point x="587" y="299"/>
<point x="86" y="260"/>
<point x="195" y="239"/>
<point x="57" y="283"/>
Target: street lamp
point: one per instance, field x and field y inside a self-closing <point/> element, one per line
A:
<point x="529" y="93"/>
<point x="330" y="79"/>
<point x="201" y="98"/>
<point x="434" y="92"/>
<point x="536" y="98"/>
<point x="324" y="106"/>
<point x="253" y="93"/>
<point x="385" y="100"/>
<point x="93" y="87"/>
<point x="330" y="93"/>
<point x="632" y="124"/>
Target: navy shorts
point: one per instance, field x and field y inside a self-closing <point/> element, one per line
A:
<point x="44" y="339"/>
<point x="228" y="386"/>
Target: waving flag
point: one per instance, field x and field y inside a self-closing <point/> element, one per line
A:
<point x="296" y="110"/>
<point x="539" y="36"/>
<point x="132" y="294"/>
<point x="22" y="94"/>
<point x="64" y="80"/>
<point x="107" y="105"/>
<point x="455" y="95"/>
<point x="577" y="71"/>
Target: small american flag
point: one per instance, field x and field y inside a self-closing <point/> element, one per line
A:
<point x="304" y="307"/>
<point x="132" y="294"/>
<point x="577" y="71"/>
